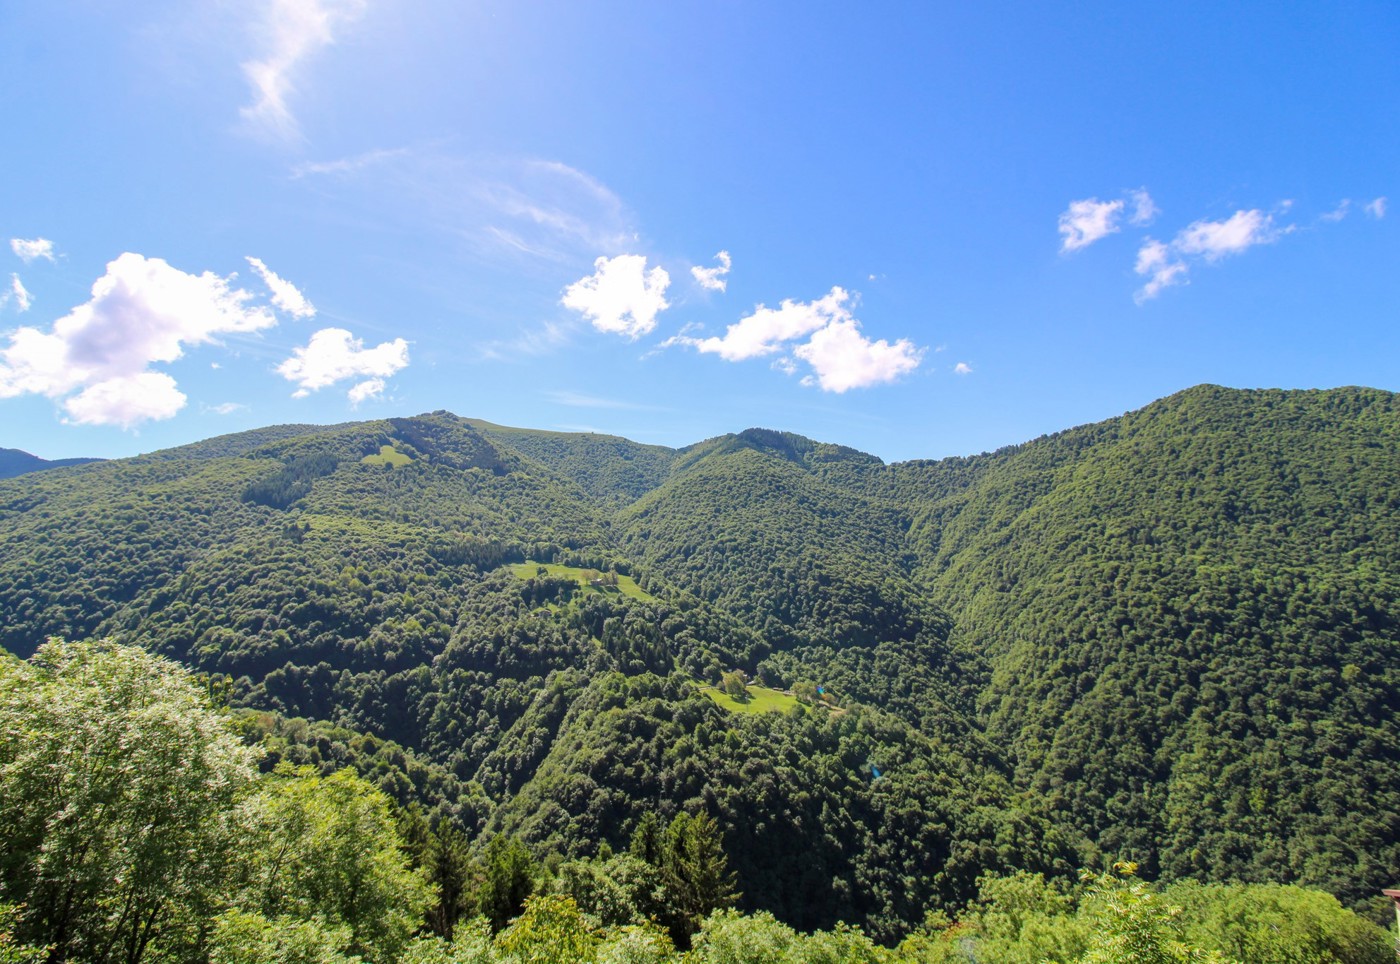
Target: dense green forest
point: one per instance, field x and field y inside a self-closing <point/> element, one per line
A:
<point x="1170" y="639"/>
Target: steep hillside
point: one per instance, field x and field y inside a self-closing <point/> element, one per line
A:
<point x="1172" y="636"/>
<point x="1193" y="617"/>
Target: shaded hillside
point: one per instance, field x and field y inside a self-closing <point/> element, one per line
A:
<point x="16" y="462"/>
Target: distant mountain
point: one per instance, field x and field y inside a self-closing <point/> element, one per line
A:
<point x="16" y="462"/>
<point x="1171" y="637"/>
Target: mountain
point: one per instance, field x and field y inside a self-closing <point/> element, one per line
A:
<point x="16" y="462"/>
<point x="1171" y="637"/>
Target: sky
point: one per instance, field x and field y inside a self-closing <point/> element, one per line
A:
<point x="920" y="229"/>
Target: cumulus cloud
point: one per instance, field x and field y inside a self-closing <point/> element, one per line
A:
<point x="766" y="331"/>
<point x="126" y="401"/>
<point x="840" y="356"/>
<point x="334" y="355"/>
<point x="284" y="294"/>
<point x="621" y="296"/>
<point x="962" y="368"/>
<point x="1238" y="233"/>
<point x="1145" y="209"/>
<point x="367" y="389"/>
<point x="1376" y="208"/>
<point x="712" y="279"/>
<point x="1165" y="265"/>
<point x="37" y="248"/>
<point x="1086" y="221"/>
<point x="142" y="311"/>
<point x="1162" y="269"/>
<point x="290" y="31"/>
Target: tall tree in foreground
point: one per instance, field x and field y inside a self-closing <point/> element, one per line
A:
<point x="115" y="773"/>
<point x="328" y="849"/>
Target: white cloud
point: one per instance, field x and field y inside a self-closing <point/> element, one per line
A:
<point x="142" y="311"/>
<point x="290" y="31"/>
<point x="621" y="296"/>
<point x="126" y="400"/>
<point x="370" y="388"/>
<point x="962" y="368"/>
<point x="227" y="408"/>
<point x="1376" y="208"/>
<point x="1238" y="233"/>
<point x="1086" y="221"/>
<point x="19" y="293"/>
<point x="1166" y="265"/>
<point x="712" y="279"/>
<point x="1144" y="209"/>
<point x="32" y="250"/>
<point x="843" y="358"/>
<point x="1156" y="260"/>
<point x="284" y="294"/>
<point x="1339" y="212"/>
<point x="766" y="330"/>
<point x="333" y="354"/>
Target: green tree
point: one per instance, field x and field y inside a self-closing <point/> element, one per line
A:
<point x="696" y="874"/>
<point x="245" y="938"/>
<point x="733" y="684"/>
<point x="114" y="776"/>
<point x="551" y="930"/>
<point x="1132" y="925"/>
<point x="449" y="868"/>
<point x="329" y="849"/>
<point x="508" y="878"/>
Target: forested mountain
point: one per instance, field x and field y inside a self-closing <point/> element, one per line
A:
<point x="16" y="462"/>
<point x="1172" y="637"/>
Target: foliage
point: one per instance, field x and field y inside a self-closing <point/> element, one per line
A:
<point x="114" y="774"/>
<point x="248" y="938"/>
<point x="329" y="849"/>
<point x="1170" y="637"/>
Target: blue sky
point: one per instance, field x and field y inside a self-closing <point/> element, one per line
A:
<point x="917" y="229"/>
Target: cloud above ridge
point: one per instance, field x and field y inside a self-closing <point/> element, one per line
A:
<point x="621" y="296"/>
<point x="97" y="359"/>
<point x="840" y="356"/>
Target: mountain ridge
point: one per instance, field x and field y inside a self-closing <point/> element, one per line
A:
<point x="1172" y="636"/>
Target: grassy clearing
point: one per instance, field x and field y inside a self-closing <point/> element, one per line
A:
<point x="388" y="455"/>
<point x="761" y="700"/>
<point x="626" y="585"/>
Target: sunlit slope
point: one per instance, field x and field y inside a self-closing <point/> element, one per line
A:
<point x="1193" y="617"/>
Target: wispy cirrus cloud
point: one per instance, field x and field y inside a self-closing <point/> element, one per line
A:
<point x="288" y="33"/>
<point x="285" y="295"/>
<point x="840" y="356"/>
<point x="621" y="296"/>
<point x="1376" y="208"/>
<point x="97" y="359"/>
<point x="584" y="400"/>
<point x="501" y="209"/>
<point x="18" y="293"/>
